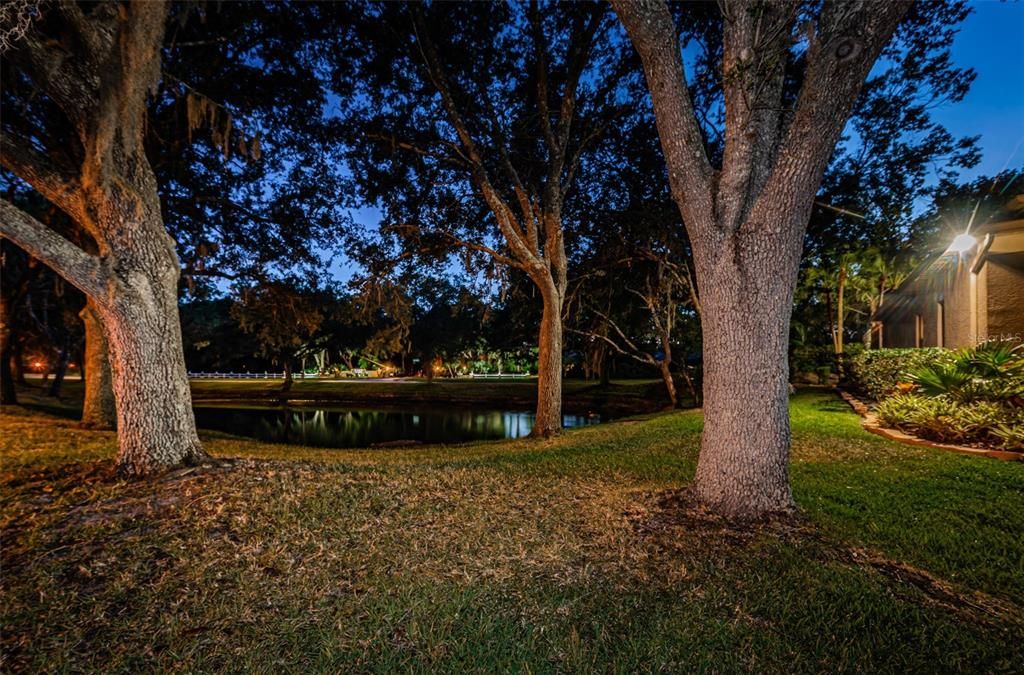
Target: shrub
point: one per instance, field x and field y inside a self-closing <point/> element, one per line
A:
<point x="879" y="372"/>
<point x="811" y="359"/>
<point x="1011" y="436"/>
<point x="944" y="419"/>
<point x="992" y="371"/>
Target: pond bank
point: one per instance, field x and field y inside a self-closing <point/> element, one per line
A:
<point x="614" y="400"/>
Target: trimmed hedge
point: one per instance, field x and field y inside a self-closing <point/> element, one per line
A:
<point x="878" y="372"/>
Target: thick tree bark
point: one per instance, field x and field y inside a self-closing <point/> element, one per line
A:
<point x="744" y="459"/>
<point x="112" y="195"/>
<point x="746" y="221"/>
<point x="98" y="409"/>
<point x="549" y="368"/>
<point x="156" y="426"/>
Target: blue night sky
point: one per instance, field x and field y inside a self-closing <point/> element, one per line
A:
<point x="992" y="42"/>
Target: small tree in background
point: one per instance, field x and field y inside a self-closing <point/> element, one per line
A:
<point x="282" y="317"/>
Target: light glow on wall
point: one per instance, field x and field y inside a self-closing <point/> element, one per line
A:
<point x="962" y="243"/>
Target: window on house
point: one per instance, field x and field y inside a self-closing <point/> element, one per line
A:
<point x="940" y="324"/>
<point x="918" y="330"/>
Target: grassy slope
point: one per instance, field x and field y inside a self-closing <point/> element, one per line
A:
<point x="538" y="556"/>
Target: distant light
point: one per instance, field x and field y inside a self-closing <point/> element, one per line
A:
<point x="962" y="243"/>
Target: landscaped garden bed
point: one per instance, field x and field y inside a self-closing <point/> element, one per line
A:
<point x="971" y="397"/>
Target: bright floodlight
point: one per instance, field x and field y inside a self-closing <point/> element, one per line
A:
<point x="962" y="243"/>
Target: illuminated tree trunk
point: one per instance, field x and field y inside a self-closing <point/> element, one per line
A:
<point x="549" y="367"/>
<point x="743" y="465"/>
<point x="98" y="409"/>
<point x="112" y="195"/>
<point x="156" y="426"/>
<point x="746" y="220"/>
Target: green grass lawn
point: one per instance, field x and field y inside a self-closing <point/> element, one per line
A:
<point x="572" y="554"/>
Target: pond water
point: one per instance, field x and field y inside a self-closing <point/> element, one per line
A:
<point x="347" y="428"/>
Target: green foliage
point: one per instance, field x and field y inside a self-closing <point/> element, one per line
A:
<point x="968" y="396"/>
<point x="1011" y="435"/>
<point x="995" y="359"/>
<point x="941" y="379"/>
<point x="878" y="372"/>
<point x="945" y="419"/>
<point x="808" y="358"/>
<point x="992" y="371"/>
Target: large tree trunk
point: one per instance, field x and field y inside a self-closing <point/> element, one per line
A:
<point x="156" y="426"/>
<point x="98" y="409"/>
<point x="747" y="219"/>
<point x="112" y="195"/>
<point x="549" y="367"/>
<point x="746" y="296"/>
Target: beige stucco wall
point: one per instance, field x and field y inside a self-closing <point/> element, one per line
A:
<point x="1005" y="298"/>
<point x="957" y="300"/>
<point x="976" y="307"/>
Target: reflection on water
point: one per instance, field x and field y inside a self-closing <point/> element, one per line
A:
<point x="363" y="428"/>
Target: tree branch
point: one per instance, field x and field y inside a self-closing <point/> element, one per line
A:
<point x="753" y="69"/>
<point x="653" y="34"/>
<point x="80" y="269"/>
<point x="849" y="38"/>
<point x="54" y="182"/>
<point x="502" y="212"/>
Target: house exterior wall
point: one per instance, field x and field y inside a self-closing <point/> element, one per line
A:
<point x="975" y="305"/>
<point x="1005" y="298"/>
<point x="898" y="332"/>
<point x="957" y="315"/>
